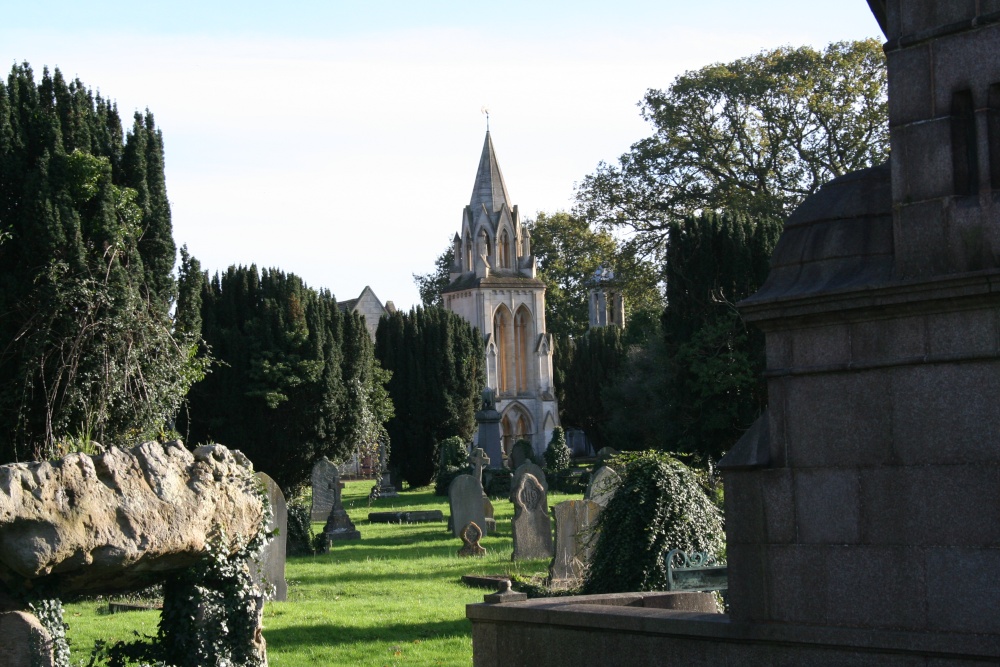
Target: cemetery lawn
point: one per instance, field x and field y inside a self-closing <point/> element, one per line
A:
<point x="395" y="597"/>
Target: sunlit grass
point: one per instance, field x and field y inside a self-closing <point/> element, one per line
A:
<point x="394" y="597"/>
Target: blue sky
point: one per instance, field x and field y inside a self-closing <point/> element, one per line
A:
<point x="339" y="140"/>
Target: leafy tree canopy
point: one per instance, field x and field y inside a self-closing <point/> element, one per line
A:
<point x="569" y="251"/>
<point x="431" y="284"/>
<point x="754" y="136"/>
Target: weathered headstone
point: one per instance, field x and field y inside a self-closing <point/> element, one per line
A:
<point x="489" y="429"/>
<point x="339" y="525"/>
<point x="386" y="489"/>
<point x="603" y="485"/>
<point x="575" y="522"/>
<point x="528" y="468"/>
<point x="531" y="527"/>
<point x="269" y="574"/>
<point x="23" y="641"/>
<point x="470" y="541"/>
<point x="325" y="475"/>
<point x="465" y="497"/>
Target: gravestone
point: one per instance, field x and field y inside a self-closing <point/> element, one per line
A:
<point x="531" y="527"/>
<point x="339" y="526"/>
<point x="489" y="429"/>
<point x="528" y="468"/>
<point x="465" y="497"/>
<point x="386" y="489"/>
<point x="603" y="485"/>
<point x="325" y="475"/>
<point x="470" y="541"/>
<point x="23" y="641"/>
<point x="575" y="522"/>
<point x="269" y="572"/>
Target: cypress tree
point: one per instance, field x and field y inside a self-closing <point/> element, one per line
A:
<point x="715" y="361"/>
<point x="91" y="354"/>
<point x="435" y="358"/>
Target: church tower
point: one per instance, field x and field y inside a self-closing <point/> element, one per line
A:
<point x="494" y="286"/>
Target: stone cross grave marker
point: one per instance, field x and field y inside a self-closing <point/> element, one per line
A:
<point x="269" y="572"/>
<point x="338" y="524"/>
<point x="322" y="492"/>
<point x="465" y="496"/>
<point x="480" y="460"/>
<point x="575" y="521"/>
<point x="531" y="527"/>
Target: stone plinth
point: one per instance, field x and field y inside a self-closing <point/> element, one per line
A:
<point x="489" y="436"/>
<point x="630" y="629"/>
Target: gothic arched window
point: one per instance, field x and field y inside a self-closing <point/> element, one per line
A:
<point x="503" y="247"/>
<point x="522" y="339"/>
<point x="505" y="357"/>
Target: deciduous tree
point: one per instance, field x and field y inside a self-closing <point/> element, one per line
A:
<point x="752" y="137"/>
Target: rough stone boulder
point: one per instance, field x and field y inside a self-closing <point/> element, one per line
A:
<point x="121" y="519"/>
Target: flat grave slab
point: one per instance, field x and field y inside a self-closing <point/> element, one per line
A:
<point x="416" y="516"/>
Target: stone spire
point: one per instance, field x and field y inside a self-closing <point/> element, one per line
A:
<point x="489" y="189"/>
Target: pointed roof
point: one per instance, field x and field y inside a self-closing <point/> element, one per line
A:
<point x="489" y="188"/>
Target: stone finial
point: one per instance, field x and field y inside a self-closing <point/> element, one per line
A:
<point x="505" y="594"/>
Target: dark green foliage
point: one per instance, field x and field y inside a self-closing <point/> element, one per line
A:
<point x="497" y="482"/>
<point x="557" y="454"/>
<point x="283" y="388"/>
<point x="593" y="363"/>
<point x="436" y="361"/>
<point x="49" y="612"/>
<point x="430" y="285"/>
<point x="299" y="541"/>
<point x="85" y="273"/>
<point x="755" y="136"/>
<point x="452" y="461"/>
<point x="452" y="452"/>
<point x="659" y="506"/>
<point x="715" y="361"/>
<point x="523" y="451"/>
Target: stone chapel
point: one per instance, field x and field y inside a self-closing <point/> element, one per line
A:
<point x="494" y="286"/>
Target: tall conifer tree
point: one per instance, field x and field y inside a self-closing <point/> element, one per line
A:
<point x="84" y="308"/>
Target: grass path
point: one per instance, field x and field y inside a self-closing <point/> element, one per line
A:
<point x="394" y="597"/>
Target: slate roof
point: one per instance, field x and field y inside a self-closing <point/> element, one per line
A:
<point x="489" y="189"/>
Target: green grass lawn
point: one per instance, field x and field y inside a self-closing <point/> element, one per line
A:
<point x="395" y="597"/>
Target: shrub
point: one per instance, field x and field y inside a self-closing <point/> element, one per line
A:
<point x="659" y="506"/>
<point x="523" y="451"/>
<point x="299" y="541"/>
<point x="445" y="477"/>
<point x="557" y="454"/>
<point x="497" y="482"/>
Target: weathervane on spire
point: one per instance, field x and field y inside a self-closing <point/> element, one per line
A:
<point x="486" y="110"/>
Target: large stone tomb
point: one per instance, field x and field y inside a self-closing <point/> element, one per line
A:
<point x="861" y="508"/>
